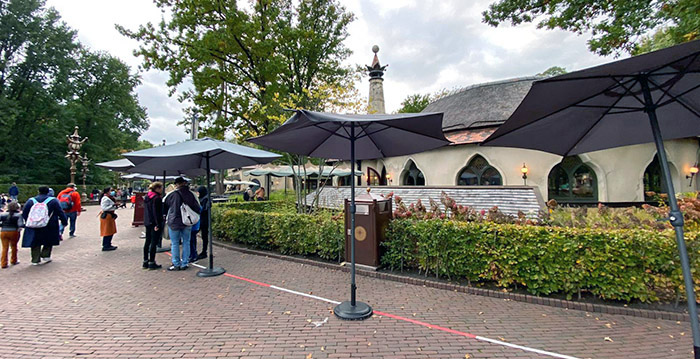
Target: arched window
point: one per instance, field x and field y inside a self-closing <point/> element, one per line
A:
<point x="653" y="180"/>
<point x="412" y="176"/>
<point x="572" y="181"/>
<point x="372" y="177"/>
<point x="479" y="173"/>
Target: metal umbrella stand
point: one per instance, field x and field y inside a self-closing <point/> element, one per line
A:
<point x="353" y="137"/>
<point x="599" y="108"/>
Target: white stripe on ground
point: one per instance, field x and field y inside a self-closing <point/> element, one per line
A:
<point x="485" y="339"/>
<point x="538" y="351"/>
<point x="304" y="294"/>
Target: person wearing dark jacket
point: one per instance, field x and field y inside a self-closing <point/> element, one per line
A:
<point x="204" y="220"/>
<point x="153" y="220"/>
<point x="41" y="240"/>
<point x="179" y="231"/>
<point x="11" y="224"/>
<point x="14" y="192"/>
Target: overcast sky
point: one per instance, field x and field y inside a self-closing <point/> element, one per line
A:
<point x="429" y="45"/>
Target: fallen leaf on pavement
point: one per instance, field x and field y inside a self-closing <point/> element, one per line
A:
<point x="608" y="325"/>
<point x="309" y="356"/>
<point x="608" y="339"/>
<point x="467" y="356"/>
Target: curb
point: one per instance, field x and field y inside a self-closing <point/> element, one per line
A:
<point x="525" y="298"/>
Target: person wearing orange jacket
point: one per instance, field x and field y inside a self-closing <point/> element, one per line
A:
<point x="69" y="199"/>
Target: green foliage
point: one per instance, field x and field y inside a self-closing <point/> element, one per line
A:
<point x="50" y="83"/>
<point x="259" y="206"/>
<point x="552" y="71"/>
<point x="615" y="25"/>
<point x="320" y="234"/>
<point x="612" y="264"/>
<point x="416" y="103"/>
<point x="246" y="64"/>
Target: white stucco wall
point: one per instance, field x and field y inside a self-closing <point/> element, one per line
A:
<point x="619" y="171"/>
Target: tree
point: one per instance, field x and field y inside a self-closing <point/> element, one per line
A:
<point x="616" y="26"/>
<point x="49" y="83"/>
<point x="552" y="71"/>
<point x="416" y="103"/>
<point x="246" y="65"/>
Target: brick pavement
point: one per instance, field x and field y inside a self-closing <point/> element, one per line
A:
<point x="89" y="303"/>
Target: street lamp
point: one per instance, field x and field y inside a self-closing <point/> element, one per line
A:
<point x="524" y="171"/>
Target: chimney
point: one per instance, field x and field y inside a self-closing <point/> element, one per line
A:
<point x="376" y="87"/>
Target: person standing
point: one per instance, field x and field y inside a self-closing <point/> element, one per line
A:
<point x="41" y="215"/>
<point x="177" y="228"/>
<point x="14" y="191"/>
<point x="153" y="220"/>
<point x="69" y="199"/>
<point x="11" y="223"/>
<point x="108" y="219"/>
<point x="204" y="220"/>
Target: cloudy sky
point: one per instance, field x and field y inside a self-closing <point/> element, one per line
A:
<point x="429" y="45"/>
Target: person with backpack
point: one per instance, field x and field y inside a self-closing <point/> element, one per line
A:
<point x="11" y="223"/>
<point x="108" y="219"/>
<point x="153" y="220"/>
<point x="69" y="199"/>
<point x="41" y="215"/>
<point x="183" y="213"/>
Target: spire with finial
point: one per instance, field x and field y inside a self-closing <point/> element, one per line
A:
<point x="376" y="70"/>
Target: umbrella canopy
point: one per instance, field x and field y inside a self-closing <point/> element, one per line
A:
<point x="327" y="135"/>
<point x="600" y="107"/>
<point x="191" y="155"/>
<point x="356" y="137"/>
<point x="237" y="182"/>
<point x="651" y="97"/>
<point x="120" y="165"/>
<point x="286" y="171"/>
<point x="148" y="177"/>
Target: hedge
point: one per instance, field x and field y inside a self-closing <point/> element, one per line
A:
<point x="27" y="191"/>
<point x="258" y="206"/>
<point x="289" y="233"/>
<point x="612" y="264"/>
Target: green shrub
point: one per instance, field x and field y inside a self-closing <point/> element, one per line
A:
<point x="612" y="264"/>
<point x="258" y="206"/>
<point x="319" y="234"/>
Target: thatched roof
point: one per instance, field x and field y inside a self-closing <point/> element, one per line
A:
<point x="483" y="105"/>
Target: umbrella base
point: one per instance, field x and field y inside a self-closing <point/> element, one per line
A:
<point x="211" y="272"/>
<point x="346" y="311"/>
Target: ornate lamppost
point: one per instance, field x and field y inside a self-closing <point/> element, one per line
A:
<point x="84" y="161"/>
<point x="73" y="153"/>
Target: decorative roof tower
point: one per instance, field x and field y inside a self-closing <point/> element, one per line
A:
<point x="376" y="87"/>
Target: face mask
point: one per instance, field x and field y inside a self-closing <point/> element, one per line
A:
<point x="113" y="193"/>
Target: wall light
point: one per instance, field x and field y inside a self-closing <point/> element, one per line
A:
<point x="524" y="171"/>
<point x="388" y="178"/>
<point x="693" y="171"/>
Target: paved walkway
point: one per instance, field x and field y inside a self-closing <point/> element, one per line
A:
<point x="89" y="303"/>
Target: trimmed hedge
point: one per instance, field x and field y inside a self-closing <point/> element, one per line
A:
<point x="612" y="264"/>
<point x="289" y="233"/>
<point x="258" y="206"/>
<point x="27" y="191"/>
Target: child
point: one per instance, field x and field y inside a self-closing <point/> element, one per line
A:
<point x="11" y="223"/>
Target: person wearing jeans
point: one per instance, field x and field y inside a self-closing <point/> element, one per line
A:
<point x="179" y="231"/>
<point x="70" y="202"/>
<point x="41" y="240"/>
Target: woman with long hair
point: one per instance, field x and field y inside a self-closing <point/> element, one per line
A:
<point x="108" y="223"/>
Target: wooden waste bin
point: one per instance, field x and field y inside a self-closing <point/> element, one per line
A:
<point x="138" y="209"/>
<point x="372" y="216"/>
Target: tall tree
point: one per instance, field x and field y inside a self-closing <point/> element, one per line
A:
<point x="416" y="103"/>
<point x="50" y="83"/>
<point x="616" y="26"/>
<point x="246" y="64"/>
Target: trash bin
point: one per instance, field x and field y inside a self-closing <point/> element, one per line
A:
<point x="138" y="209"/>
<point x="372" y="216"/>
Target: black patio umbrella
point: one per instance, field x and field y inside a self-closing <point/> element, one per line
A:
<point x="195" y="156"/>
<point x="603" y="107"/>
<point x="356" y="137"/>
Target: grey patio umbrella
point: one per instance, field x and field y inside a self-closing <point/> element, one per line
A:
<point x="201" y="154"/>
<point x="356" y="137"/>
<point x="120" y="165"/>
<point x="604" y="107"/>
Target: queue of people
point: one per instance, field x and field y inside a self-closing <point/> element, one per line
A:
<point x="43" y="219"/>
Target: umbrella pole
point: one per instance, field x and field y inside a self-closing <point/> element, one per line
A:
<point x="159" y="247"/>
<point x="675" y="217"/>
<point x="210" y="271"/>
<point x="352" y="310"/>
